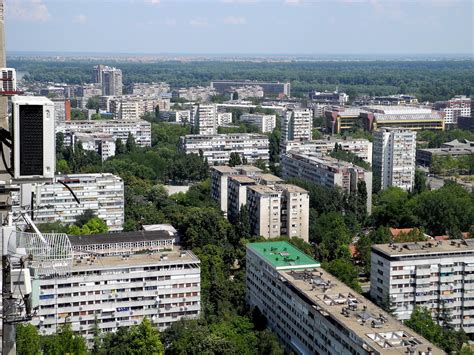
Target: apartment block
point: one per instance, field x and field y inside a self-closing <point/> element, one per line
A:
<point x="264" y="205"/>
<point x="197" y="93"/>
<point x="217" y="148"/>
<point x="360" y="147"/>
<point x="117" y="280"/>
<point x="150" y="89"/>
<point x="53" y="202"/>
<point x="101" y="143"/>
<point x="219" y="185"/>
<point x="408" y="117"/>
<point x="133" y="107"/>
<point x="294" y="211"/>
<point x="312" y="312"/>
<point x="237" y="194"/>
<point x="297" y="125"/>
<point x="265" y="123"/>
<point x="119" y="129"/>
<point x="111" y="80"/>
<point x="458" y="106"/>
<point x="224" y="118"/>
<point x="454" y="149"/>
<point x="437" y="275"/>
<point x="394" y="157"/>
<point x="205" y="121"/>
<point x="326" y="171"/>
<point x="269" y="88"/>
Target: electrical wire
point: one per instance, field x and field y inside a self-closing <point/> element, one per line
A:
<point x="4" y="160"/>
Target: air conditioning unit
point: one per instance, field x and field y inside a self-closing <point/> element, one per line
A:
<point x="34" y="152"/>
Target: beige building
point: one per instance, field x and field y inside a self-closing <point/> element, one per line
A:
<point x="297" y="125"/>
<point x="264" y="205"/>
<point x="206" y="119"/>
<point x="326" y="171"/>
<point x="294" y="211"/>
<point x="219" y="185"/>
<point x="237" y="194"/>
<point x="264" y="123"/>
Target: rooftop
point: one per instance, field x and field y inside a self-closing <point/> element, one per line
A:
<point x="242" y="179"/>
<point x="262" y="189"/>
<point x="333" y="299"/>
<point x="248" y="169"/>
<point x="428" y="248"/>
<point x="291" y="188"/>
<point x="120" y="237"/>
<point x="270" y="178"/>
<point x="323" y="161"/>
<point x="176" y="256"/>
<point x="224" y="169"/>
<point x="283" y="255"/>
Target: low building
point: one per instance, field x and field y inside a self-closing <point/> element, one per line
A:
<point x="119" y="129"/>
<point x="217" y="148"/>
<point x="312" y="312"/>
<point x="341" y="119"/>
<point x="454" y="149"/>
<point x="436" y="275"/>
<point x="271" y="88"/>
<point x="198" y="93"/>
<point x="53" y="202"/>
<point x="327" y="97"/>
<point x="414" y="118"/>
<point x="326" y="171"/>
<point x="264" y="123"/>
<point x="395" y="100"/>
<point x="150" y="89"/>
<point x="360" y="147"/>
<point x="119" y="279"/>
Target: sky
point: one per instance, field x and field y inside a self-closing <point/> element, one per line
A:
<point x="241" y="26"/>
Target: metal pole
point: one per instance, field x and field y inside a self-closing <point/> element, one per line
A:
<point x="8" y="302"/>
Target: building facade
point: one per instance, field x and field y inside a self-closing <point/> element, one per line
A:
<point x="111" y="81"/>
<point x="458" y="106"/>
<point x="297" y="125"/>
<point x="394" y="157"/>
<point x="205" y="121"/>
<point x="118" y="280"/>
<point x="326" y="171"/>
<point x="341" y="119"/>
<point x="217" y="148"/>
<point x="269" y="88"/>
<point x="53" y="202"/>
<point x="360" y="147"/>
<point x="265" y="123"/>
<point x="437" y="275"/>
<point x="101" y="143"/>
<point x="312" y="312"/>
<point x="119" y="129"/>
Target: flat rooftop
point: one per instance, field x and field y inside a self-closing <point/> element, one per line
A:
<point x="243" y="179"/>
<point x="323" y="161"/>
<point x="224" y="169"/>
<point x="120" y="237"/>
<point x="283" y="255"/>
<point x="291" y="188"/>
<point x="248" y="169"/>
<point x="263" y="189"/>
<point x="270" y="178"/>
<point x="176" y="256"/>
<point x="425" y="249"/>
<point x="378" y="329"/>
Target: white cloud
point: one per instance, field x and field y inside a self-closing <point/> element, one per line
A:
<point x="199" y="22"/>
<point x="293" y="2"/>
<point x="153" y="2"/>
<point x="80" y="19"/>
<point x="170" y="22"/>
<point x="240" y="1"/>
<point x="28" y="10"/>
<point x="234" y="20"/>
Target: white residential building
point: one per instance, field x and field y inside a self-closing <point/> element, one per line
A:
<point x="360" y="147"/>
<point x="150" y="89"/>
<point x="394" y="157"/>
<point x="219" y="185"/>
<point x="111" y="81"/>
<point x="101" y="143"/>
<point x="53" y="202"/>
<point x="133" y="107"/>
<point x="205" y="121"/>
<point x="237" y="194"/>
<point x="297" y="125"/>
<point x="198" y="93"/>
<point x="119" y="279"/>
<point x="218" y="147"/>
<point x="436" y="275"/>
<point x="458" y="106"/>
<point x="224" y="118"/>
<point x="326" y="171"/>
<point x="265" y="123"/>
<point x="119" y="129"/>
<point x="264" y="205"/>
<point x="312" y="312"/>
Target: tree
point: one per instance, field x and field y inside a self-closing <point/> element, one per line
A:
<point x="119" y="147"/>
<point x="28" y="341"/>
<point x="242" y="225"/>
<point x="345" y="271"/>
<point x="84" y="217"/>
<point x="420" y="182"/>
<point x="93" y="103"/>
<point x="130" y="145"/>
<point x="235" y="159"/>
<point x="332" y="235"/>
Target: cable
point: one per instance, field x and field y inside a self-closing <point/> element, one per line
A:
<point x="70" y="190"/>
<point x="4" y="160"/>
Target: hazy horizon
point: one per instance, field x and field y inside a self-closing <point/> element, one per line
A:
<point x="242" y="27"/>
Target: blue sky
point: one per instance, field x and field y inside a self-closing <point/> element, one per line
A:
<point x="241" y="26"/>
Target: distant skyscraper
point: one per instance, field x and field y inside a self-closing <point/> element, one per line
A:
<point x="110" y="78"/>
<point x="97" y="73"/>
<point x="394" y="157"/>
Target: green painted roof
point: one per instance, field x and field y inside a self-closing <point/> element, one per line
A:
<point x="283" y="255"/>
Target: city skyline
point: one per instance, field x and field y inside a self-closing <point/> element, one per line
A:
<point x="291" y="27"/>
